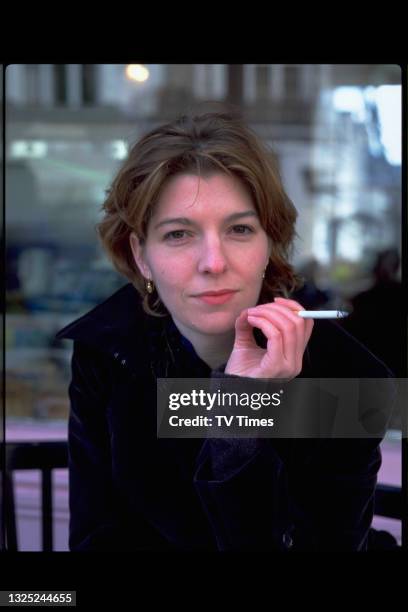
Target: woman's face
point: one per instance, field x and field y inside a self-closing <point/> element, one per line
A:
<point x="211" y="251"/>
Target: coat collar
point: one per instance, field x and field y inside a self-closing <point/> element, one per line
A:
<point x="120" y="327"/>
<point x="117" y="315"/>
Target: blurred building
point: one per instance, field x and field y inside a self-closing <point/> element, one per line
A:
<point x="69" y="127"/>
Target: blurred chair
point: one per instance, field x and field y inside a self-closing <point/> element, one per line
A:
<point x="43" y="456"/>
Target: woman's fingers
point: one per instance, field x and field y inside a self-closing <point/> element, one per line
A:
<point x="287" y="330"/>
<point x="289" y="303"/>
<point x="292" y="326"/>
<point x="292" y="329"/>
<point x="287" y="335"/>
<point x="293" y="305"/>
<point x="275" y="340"/>
<point x="303" y="326"/>
<point x="298" y="322"/>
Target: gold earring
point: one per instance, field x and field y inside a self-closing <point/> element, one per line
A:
<point x="149" y="286"/>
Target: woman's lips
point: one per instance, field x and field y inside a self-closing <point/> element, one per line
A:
<point x="216" y="299"/>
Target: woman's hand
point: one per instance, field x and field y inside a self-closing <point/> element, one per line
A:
<point x="287" y="334"/>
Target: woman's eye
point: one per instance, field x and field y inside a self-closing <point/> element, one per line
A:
<point x="245" y="227"/>
<point x="174" y="236"/>
<point x="171" y="234"/>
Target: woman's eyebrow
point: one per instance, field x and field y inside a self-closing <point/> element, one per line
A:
<point x="187" y="221"/>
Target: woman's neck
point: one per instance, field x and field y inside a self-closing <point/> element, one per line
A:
<point x="213" y="349"/>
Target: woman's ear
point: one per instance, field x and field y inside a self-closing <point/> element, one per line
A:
<point x="138" y="255"/>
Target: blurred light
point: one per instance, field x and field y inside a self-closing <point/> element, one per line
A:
<point x="119" y="149"/>
<point x="23" y="149"/>
<point x="350" y="241"/>
<point x="350" y="100"/>
<point x="137" y="72"/>
<point x="388" y="100"/>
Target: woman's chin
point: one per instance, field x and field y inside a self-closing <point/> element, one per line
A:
<point x="221" y="324"/>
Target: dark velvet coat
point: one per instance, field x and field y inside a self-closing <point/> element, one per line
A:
<point x="130" y="490"/>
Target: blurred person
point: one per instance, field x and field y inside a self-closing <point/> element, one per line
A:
<point x="310" y="294"/>
<point x="377" y="318"/>
<point x="198" y="206"/>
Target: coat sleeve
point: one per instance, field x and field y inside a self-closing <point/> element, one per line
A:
<point x="98" y="520"/>
<point x="332" y="495"/>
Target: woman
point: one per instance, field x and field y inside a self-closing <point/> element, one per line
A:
<point x="199" y="207"/>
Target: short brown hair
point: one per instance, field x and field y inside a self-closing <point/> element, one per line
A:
<point x="217" y="141"/>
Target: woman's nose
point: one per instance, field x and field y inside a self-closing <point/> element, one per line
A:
<point x="212" y="257"/>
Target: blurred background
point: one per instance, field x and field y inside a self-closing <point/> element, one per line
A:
<point x="336" y="130"/>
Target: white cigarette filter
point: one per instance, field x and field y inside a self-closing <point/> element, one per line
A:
<point x="322" y="314"/>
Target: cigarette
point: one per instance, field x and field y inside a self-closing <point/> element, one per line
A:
<point x="322" y="314"/>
